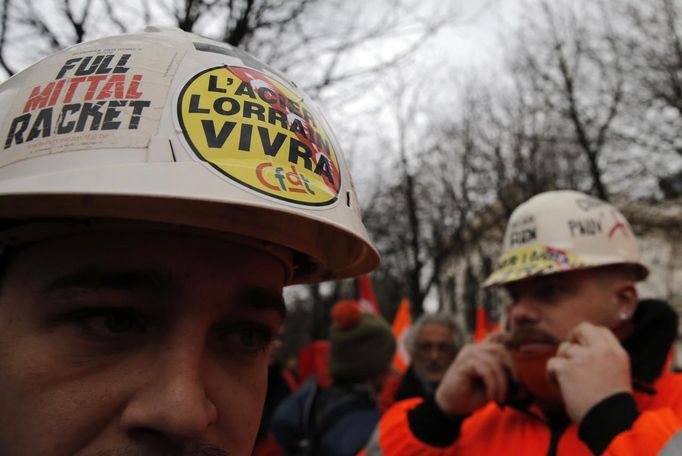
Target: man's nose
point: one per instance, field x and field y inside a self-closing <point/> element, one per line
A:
<point x="434" y="352"/>
<point x="173" y="404"/>
<point x="524" y="310"/>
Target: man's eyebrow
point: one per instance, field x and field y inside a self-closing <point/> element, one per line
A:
<point x="112" y="278"/>
<point x="262" y="298"/>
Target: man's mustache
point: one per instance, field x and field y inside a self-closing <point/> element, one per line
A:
<point x="437" y="366"/>
<point x="524" y="334"/>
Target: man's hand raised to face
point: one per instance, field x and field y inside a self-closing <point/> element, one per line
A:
<point x="589" y="367"/>
<point x="480" y="373"/>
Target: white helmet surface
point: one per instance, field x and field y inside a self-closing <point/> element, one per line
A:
<point x="561" y="231"/>
<point x="169" y="127"/>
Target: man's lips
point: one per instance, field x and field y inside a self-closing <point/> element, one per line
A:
<point x="531" y="341"/>
<point x="531" y="347"/>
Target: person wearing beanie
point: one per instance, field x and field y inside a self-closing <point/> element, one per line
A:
<point x="339" y="420"/>
<point x="361" y="345"/>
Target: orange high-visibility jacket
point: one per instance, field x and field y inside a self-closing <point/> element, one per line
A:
<point x="493" y="430"/>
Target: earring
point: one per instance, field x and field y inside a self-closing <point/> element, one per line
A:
<point x="624" y="315"/>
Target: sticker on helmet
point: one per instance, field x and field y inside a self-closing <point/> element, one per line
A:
<point x="521" y="231"/>
<point x="100" y="96"/>
<point x="257" y="132"/>
<point x="618" y="225"/>
<point x="531" y="260"/>
<point x="586" y="226"/>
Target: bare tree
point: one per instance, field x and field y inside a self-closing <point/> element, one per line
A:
<point x="423" y="210"/>
<point x="649" y="36"/>
<point x="316" y="42"/>
<point x="580" y="78"/>
<point x="395" y="212"/>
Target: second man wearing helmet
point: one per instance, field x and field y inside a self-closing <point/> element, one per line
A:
<point x="583" y="367"/>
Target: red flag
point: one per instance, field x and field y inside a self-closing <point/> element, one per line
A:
<point x="483" y="324"/>
<point x="387" y="394"/>
<point x="365" y="293"/>
<point x="401" y="324"/>
<point x="313" y="359"/>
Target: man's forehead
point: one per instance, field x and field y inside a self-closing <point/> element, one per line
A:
<point x="139" y="246"/>
<point x="129" y="238"/>
<point x="155" y="284"/>
<point x="152" y="266"/>
<point x="103" y="276"/>
<point x="435" y="330"/>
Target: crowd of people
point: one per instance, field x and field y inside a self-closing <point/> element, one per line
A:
<point x="338" y="419"/>
<point x="149" y="222"/>
<point x="581" y="366"/>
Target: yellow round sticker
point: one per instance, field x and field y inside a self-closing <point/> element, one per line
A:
<point x="259" y="133"/>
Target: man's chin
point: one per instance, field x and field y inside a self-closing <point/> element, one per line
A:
<point x="434" y="377"/>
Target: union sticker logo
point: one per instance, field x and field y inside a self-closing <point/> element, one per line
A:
<point x="255" y="131"/>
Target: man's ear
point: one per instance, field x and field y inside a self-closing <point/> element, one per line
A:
<point x="626" y="294"/>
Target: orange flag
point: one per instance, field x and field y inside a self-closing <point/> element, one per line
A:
<point x="483" y="324"/>
<point x="401" y="323"/>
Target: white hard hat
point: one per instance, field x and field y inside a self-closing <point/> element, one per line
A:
<point x="169" y="127"/>
<point x="561" y="231"/>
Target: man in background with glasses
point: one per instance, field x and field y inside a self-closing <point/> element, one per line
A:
<point x="433" y="342"/>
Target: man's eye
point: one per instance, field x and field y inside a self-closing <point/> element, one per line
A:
<point x="247" y="338"/>
<point x="108" y="322"/>
<point x="512" y="295"/>
<point x="549" y="291"/>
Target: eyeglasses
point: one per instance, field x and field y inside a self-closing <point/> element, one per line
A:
<point x="427" y="347"/>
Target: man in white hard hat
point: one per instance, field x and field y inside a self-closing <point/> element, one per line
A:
<point x="157" y="192"/>
<point x="583" y="367"/>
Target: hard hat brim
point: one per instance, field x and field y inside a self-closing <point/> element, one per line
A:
<point x="180" y="194"/>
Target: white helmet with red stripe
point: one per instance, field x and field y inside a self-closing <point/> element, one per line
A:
<point x="172" y="128"/>
<point x="561" y="231"/>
